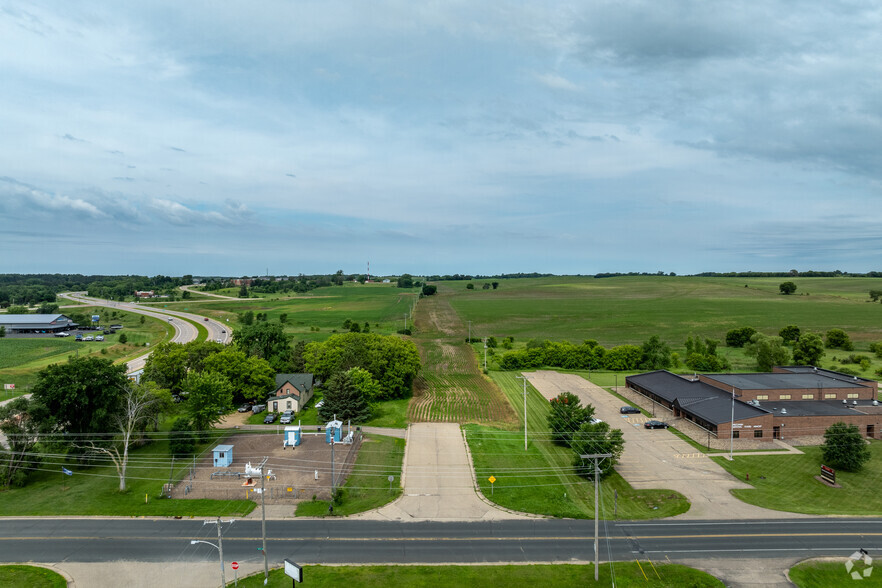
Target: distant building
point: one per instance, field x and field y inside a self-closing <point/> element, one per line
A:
<point x="36" y="323"/>
<point x="145" y="294"/>
<point x="796" y="401"/>
<point x="242" y="282"/>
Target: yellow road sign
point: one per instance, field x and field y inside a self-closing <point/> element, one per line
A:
<point x="492" y="479"/>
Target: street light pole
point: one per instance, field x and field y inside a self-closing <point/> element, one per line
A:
<point x="524" y="378"/>
<point x="219" y="546"/>
<point x="263" y="518"/>
<point x="732" y="426"/>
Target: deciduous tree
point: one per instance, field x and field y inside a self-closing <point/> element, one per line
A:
<point x="839" y="339"/>
<point x="844" y="448"/>
<point x="22" y="429"/>
<point x="597" y="438"/>
<point x="808" y="350"/>
<point x="267" y="341"/>
<point x="655" y="354"/>
<point x="209" y="397"/>
<point x="787" y="288"/>
<point x="566" y="416"/>
<point x="789" y="334"/>
<point x="252" y="378"/>
<point x="768" y="351"/>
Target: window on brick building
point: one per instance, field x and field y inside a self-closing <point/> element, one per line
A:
<point x="757" y="433"/>
<point x="784" y="397"/>
<point x="808" y="396"/>
<point x="854" y="395"/>
<point x="762" y="396"/>
<point x="829" y="396"/>
<point x="736" y="434"/>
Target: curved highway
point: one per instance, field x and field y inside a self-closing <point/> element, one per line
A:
<point x="184" y="331"/>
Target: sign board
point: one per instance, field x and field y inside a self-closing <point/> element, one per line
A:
<point x="828" y="474"/>
<point x="9" y="386"/>
<point x="235" y="565"/>
<point x="292" y="570"/>
<point x="95" y="318"/>
<point x="492" y="479"/>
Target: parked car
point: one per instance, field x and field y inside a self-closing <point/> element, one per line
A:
<point x="99" y="337"/>
<point x="287" y="417"/>
<point x="594" y="420"/>
<point x="629" y="410"/>
<point x="107" y="331"/>
<point x="258" y="408"/>
<point x="245" y="407"/>
<point x="79" y="337"/>
<point x="205" y="319"/>
<point x="655" y="425"/>
<point x="62" y="334"/>
<point x="270" y="418"/>
<point x="89" y="338"/>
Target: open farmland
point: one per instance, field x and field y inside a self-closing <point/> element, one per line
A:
<point x="451" y="388"/>
<point x="316" y="315"/>
<point x="630" y="309"/>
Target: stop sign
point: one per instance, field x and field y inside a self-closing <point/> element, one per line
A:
<point x="235" y="565"/>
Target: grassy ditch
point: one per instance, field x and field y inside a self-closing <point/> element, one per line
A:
<point x="367" y="486"/>
<point x="787" y="483"/>
<point x="822" y="574"/>
<point x="627" y="574"/>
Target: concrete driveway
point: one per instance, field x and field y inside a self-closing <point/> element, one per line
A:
<point x="656" y="458"/>
<point x="438" y="480"/>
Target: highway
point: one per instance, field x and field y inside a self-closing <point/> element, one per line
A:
<point x="315" y="541"/>
<point x="184" y="331"/>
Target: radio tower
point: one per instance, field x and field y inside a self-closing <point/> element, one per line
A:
<point x="369" y="272"/>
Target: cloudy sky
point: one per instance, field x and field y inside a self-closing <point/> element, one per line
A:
<point x="438" y="137"/>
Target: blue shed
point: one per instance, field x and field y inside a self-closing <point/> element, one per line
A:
<point x="292" y="436"/>
<point x="332" y="429"/>
<point x="223" y="456"/>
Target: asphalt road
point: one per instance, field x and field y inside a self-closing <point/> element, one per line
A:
<point x="314" y="541"/>
<point x="184" y="331"/>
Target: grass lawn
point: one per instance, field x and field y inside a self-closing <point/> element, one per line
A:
<point x="630" y="309"/>
<point x="95" y="490"/>
<point x="316" y="315"/>
<point x="367" y="487"/>
<point x="31" y="576"/>
<point x="822" y="574"/>
<point x="540" y="480"/>
<point x="627" y="574"/>
<point x="786" y="482"/>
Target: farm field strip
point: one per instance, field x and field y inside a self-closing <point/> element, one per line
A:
<point x="451" y="388"/>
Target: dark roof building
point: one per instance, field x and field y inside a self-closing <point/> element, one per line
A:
<point x="801" y="399"/>
<point x="36" y="323"/>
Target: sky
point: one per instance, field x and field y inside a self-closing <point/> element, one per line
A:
<point x="479" y="137"/>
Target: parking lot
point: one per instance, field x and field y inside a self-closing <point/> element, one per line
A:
<point x="656" y="458"/>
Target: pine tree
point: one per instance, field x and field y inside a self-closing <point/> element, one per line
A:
<point x="343" y="399"/>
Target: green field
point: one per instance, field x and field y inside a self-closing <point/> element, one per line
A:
<point x="822" y="574"/>
<point x="631" y="309"/>
<point x="627" y="574"/>
<point x="786" y="482"/>
<point x="316" y="315"/>
<point x="367" y="487"/>
<point x="30" y="576"/>
<point x="541" y="479"/>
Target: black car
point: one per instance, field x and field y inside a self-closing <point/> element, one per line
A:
<point x="655" y="425"/>
<point x="270" y="418"/>
<point x="629" y="410"/>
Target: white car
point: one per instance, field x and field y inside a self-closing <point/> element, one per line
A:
<point x="99" y="337"/>
<point x="89" y="338"/>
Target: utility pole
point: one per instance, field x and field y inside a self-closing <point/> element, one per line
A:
<point x="220" y="544"/>
<point x="732" y="426"/>
<point x="485" y="354"/>
<point x="524" y="378"/>
<point x="596" y="457"/>
<point x="470" y="332"/>
<point x="263" y="518"/>
<point x="405" y="321"/>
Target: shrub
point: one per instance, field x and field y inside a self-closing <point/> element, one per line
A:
<point x="738" y="337"/>
<point x="123" y="338"/>
<point x="838" y="339"/>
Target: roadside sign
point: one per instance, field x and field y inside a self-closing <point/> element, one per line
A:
<point x="828" y="474"/>
<point x="292" y="570"/>
<point x="66" y="471"/>
<point x="9" y="386"/>
<point x="235" y="565"/>
<point x="492" y="479"/>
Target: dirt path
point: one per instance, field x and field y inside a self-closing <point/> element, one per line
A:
<point x="451" y="387"/>
<point x="656" y="458"/>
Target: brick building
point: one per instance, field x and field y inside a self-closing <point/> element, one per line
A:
<point x="794" y="401"/>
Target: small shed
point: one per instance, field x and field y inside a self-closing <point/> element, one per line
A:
<point x="332" y="431"/>
<point x="292" y="436"/>
<point x="223" y="456"/>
